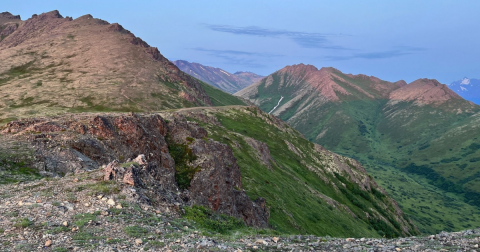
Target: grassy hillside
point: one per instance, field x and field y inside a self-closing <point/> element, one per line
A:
<point x="306" y="192"/>
<point x="219" y="97"/>
<point x="425" y="155"/>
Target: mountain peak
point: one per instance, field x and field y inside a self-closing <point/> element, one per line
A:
<point x="465" y="81"/>
<point x="101" y="66"/>
<point x="217" y="77"/>
<point x="400" y="83"/>
<point x="425" y="91"/>
<point x="468" y="88"/>
<point x="8" y="15"/>
<point x="300" y="68"/>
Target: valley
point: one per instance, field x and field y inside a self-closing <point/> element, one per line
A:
<point x="408" y="136"/>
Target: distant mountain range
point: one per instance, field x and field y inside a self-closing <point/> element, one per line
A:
<point x="467" y="88"/>
<point x="217" y="77"/>
<point x="410" y="137"/>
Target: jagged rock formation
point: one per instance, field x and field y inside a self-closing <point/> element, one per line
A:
<point x="217" y="77"/>
<point x="79" y="143"/>
<point x="8" y="24"/>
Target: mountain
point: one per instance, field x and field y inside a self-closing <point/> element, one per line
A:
<point x="234" y="160"/>
<point x="51" y="65"/>
<point x="418" y="140"/>
<point x="467" y="88"/>
<point x="217" y="77"/>
<point x="174" y="156"/>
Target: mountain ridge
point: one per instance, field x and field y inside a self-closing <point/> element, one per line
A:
<point x="59" y="64"/>
<point x="384" y="124"/>
<point x="217" y="77"/>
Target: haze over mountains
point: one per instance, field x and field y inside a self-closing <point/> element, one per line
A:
<point x="217" y="77"/>
<point x="467" y="88"/>
<point x="409" y="136"/>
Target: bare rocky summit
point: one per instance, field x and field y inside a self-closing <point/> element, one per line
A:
<point x="50" y="64"/>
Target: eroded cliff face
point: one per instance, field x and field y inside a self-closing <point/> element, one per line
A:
<point x="135" y="151"/>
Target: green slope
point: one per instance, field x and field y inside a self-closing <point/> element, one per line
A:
<point x="425" y="156"/>
<point x="219" y="97"/>
<point x="296" y="185"/>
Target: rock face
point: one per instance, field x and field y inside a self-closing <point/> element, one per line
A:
<point x="217" y="77"/>
<point x="9" y="16"/>
<point x="218" y="183"/>
<point x="135" y="152"/>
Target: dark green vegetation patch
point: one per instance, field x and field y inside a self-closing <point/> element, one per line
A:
<point x="183" y="156"/>
<point x="206" y="218"/>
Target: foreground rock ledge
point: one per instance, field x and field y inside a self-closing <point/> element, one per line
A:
<point x="135" y="152"/>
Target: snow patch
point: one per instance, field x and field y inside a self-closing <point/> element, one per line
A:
<point x="463" y="89"/>
<point x="465" y="81"/>
<point x="224" y="72"/>
<point x="276" y="106"/>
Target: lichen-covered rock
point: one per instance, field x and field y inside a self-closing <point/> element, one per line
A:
<point x="217" y="183"/>
<point x="134" y="151"/>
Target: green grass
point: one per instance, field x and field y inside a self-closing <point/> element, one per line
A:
<point x="57" y="230"/>
<point x="103" y="187"/>
<point x="220" y="98"/>
<point x="183" y="156"/>
<point x="82" y="219"/>
<point x="207" y="219"/>
<point x="427" y="154"/>
<point x="23" y="223"/>
<point x="85" y="238"/>
<point x="14" y="168"/>
<point x="94" y="105"/>
<point x="135" y="231"/>
<point x="289" y="187"/>
<point x="26" y="247"/>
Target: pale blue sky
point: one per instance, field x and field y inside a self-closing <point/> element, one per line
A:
<point x="407" y="39"/>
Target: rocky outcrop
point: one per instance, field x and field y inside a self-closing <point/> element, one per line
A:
<point x="217" y="183"/>
<point x="37" y="24"/>
<point x="261" y="151"/>
<point x="135" y="152"/>
<point x="8" y="15"/>
<point x="7" y="30"/>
